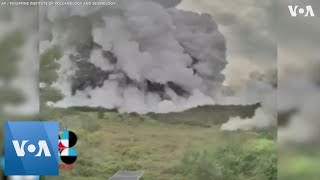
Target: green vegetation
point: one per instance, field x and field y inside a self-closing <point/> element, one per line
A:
<point x="206" y="116"/>
<point x="297" y="163"/>
<point x="109" y="141"/>
<point x="48" y="64"/>
<point x="251" y="160"/>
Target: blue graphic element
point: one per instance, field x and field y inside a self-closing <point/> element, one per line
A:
<point x="65" y="135"/>
<point x="72" y="152"/>
<point x="31" y="148"/>
<point x="2" y="162"/>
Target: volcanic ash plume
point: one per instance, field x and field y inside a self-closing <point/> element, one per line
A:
<point x="136" y="56"/>
<point x="300" y="96"/>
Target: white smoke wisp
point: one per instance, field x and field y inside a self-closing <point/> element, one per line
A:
<point x="260" y="120"/>
<point x="264" y="116"/>
<point x="141" y="56"/>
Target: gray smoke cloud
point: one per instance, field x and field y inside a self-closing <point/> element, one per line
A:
<point x="299" y="87"/>
<point x="19" y="59"/>
<point x="249" y="28"/>
<point x="251" y="76"/>
<point x="299" y="95"/>
<point x="136" y="56"/>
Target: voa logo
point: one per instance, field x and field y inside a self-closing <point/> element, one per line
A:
<point x="304" y="11"/>
<point x="20" y="147"/>
<point x="31" y="148"/>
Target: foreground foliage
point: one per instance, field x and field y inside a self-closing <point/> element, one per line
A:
<point x="109" y="141"/>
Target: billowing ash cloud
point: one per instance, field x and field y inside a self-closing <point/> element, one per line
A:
<point x="136" y="56"/>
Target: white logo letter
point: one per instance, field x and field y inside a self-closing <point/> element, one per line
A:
<point x="43" y="147"/>
<point x="309" y="11"/>
<point x="293" y="12"/>
<point x="19" y="150"/>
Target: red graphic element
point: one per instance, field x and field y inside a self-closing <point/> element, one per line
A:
<point x="61" y="146"/>
<point x="66" y="166"/>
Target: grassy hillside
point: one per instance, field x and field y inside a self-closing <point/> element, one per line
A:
<point x="206" y="115"/>
<point x="112" y="141"/>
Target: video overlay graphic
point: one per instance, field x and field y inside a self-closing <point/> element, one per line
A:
<point x="37" y="149"/>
